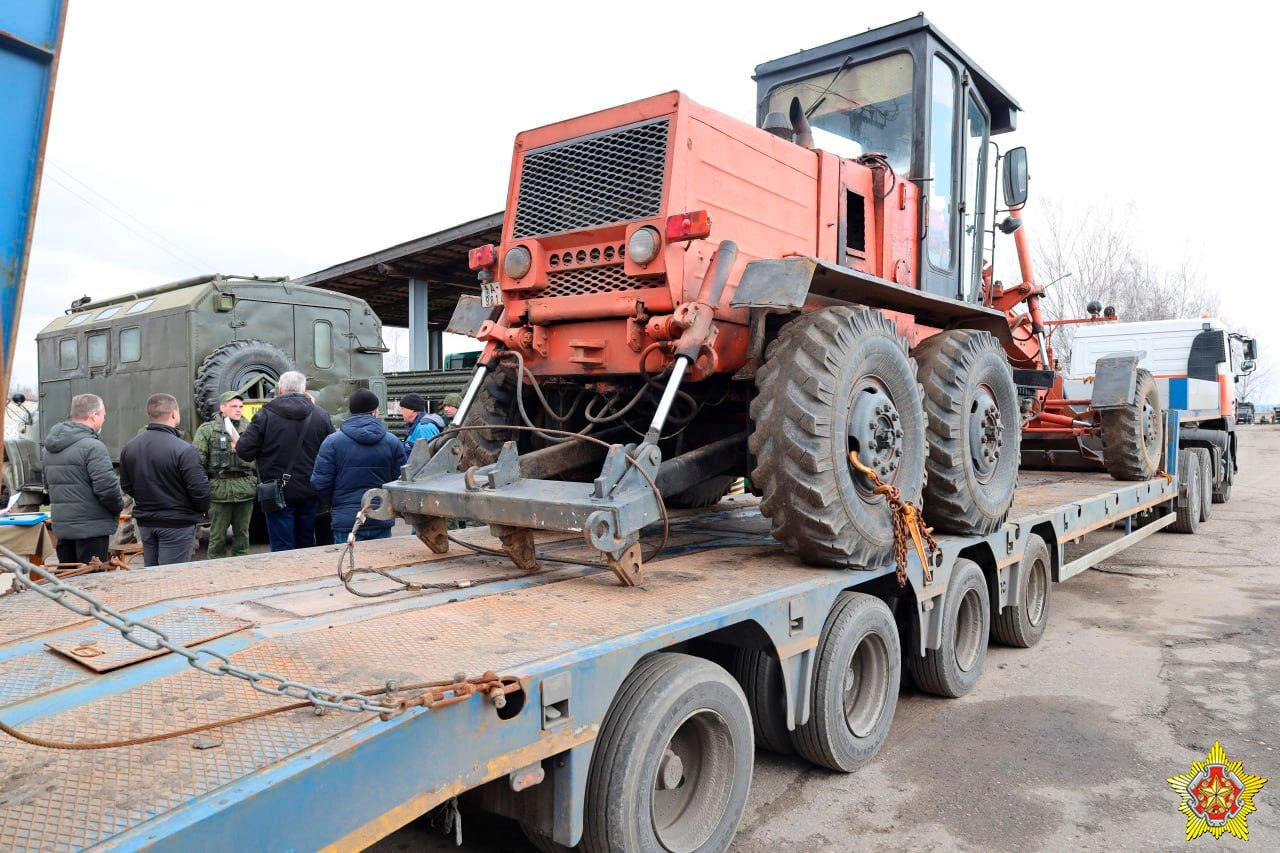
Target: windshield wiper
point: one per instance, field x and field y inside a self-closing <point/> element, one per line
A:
<point x="817" y="102"/>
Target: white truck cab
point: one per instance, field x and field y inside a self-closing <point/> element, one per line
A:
<point x="1195" y="362"/>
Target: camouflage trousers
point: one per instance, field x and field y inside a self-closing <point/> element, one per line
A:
<point x="236" y="516"/>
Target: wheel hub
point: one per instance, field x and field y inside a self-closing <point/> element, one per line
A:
<point x="1149" y="430"/>
<point x="985" y="434"/>
<point x="875" y="432"/>
<point x="670" y="771"/>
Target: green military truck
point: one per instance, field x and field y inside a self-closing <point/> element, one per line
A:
<point x="196" y="339"/>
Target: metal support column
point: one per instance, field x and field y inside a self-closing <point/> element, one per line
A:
<point x="435" y="339"/>
<point x="419" y="350"/>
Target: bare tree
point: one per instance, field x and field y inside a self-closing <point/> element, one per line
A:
<point x="1253" y="383"/>
<point x="1089" y="255"/>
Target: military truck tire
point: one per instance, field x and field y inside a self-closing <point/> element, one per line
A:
<point x="833" y="381"/>
<point x="1133" y="436"/>
<point x="705" y="494"/>
<point x="954" y="667"/>
<point x="854" y="686"/>
<point x="1188" y="511"/>
<point x="974" y="431"/>
<point x="231" y="366"/>
<point x="1206" y="482"/>
<point x="492" y="407"/>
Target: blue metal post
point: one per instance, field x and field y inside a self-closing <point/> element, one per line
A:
<point x="30" y="33"/>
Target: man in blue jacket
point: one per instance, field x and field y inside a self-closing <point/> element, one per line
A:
<point x="418" y="422"/>
<point x="360" y="456"/>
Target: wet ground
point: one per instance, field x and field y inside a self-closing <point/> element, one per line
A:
<point x="1173" y="644"/>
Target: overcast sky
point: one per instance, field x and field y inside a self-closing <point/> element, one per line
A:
<point x="283" y="137"/>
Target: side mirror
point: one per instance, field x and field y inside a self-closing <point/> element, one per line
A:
<point x="1250" y="349"/>
<point x="1015" y="178"/>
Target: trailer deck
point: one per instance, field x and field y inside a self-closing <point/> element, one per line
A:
<point x="570" y="634"/>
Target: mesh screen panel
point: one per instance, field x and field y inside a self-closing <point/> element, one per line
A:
<point x="610" y="177"/>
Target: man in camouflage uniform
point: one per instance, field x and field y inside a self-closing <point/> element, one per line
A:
<point x="234" y="482"/>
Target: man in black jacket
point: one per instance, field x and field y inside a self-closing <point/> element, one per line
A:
<point x="283" y="439"/>
<point x="169" y="486"/>
<point x="84" y="493"/>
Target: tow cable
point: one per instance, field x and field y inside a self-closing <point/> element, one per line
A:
<point x="908" y="526"/>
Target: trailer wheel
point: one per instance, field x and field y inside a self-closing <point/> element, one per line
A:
<point x="1206" y="482"/>
<point x="836" y="380"/>
<point x="704" y="494"/>
<point x="1222" y="492"/>
<point x="1022" y="624"/>
<point x="953" y="668"/>
<point x="672" y="766"/>
<point x="491" y="407"/>
<point x="855" y="685"/>
<point x="760" y="674"/>
<point x="1188" y="511"/>
<point x="974" y="431"/>
<point x="1132" y="436"/>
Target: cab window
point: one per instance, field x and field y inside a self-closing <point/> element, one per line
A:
<point x="973" y="222"/>
<point x="69" y="354"/>
<point x="131" y="344"/>
<point x="96" y="349"/>
<point x="323" y="333"/>
<point x="941" y="192"/>
<point x="858" y="109"/>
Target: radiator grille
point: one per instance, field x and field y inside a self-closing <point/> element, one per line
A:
<point x="611" y="177"/>
<point x="593" y="280"/>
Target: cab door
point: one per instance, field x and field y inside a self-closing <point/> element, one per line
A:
<point x="940" y="254"/>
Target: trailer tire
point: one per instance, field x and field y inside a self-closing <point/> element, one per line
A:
<point x="974" y="431"/>
<point x="491" y="407"/>
<point x="953" y="668"/>
<point x="1188" y="511"/>
<point x="1022" y="624"/>
<point x="832" y="381"/>
<point x="859" y="652"/>
<point x="1206" y="482"/>
<point x="707" y="493"/>
<point x="1222" y="492"/>
<point x="230" y="367"/>
<point x="760" y="674"/>
<point x="1133" y="436"/>
<point x="670" y="705"/>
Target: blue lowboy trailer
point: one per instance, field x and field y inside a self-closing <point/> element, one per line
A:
<point x="620" y="718"/>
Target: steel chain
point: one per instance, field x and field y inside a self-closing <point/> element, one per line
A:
<point x="908" y="527"/>
<point x="55" y="590"/>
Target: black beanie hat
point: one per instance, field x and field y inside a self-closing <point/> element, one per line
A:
<point x="414" y="402"/>
<point x="362" y="402"/>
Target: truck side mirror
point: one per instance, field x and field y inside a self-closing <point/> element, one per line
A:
<point x="1251" y="349"/>
<point x="1015" y="178"/>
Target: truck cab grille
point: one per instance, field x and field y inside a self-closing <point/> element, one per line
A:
<point x="614" y="176"/>
<point x="593" y="280"/>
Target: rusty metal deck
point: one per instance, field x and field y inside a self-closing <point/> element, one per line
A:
<point x="306" y="627"/>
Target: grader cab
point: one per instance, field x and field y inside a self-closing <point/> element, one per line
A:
<point x="680" y="298"/>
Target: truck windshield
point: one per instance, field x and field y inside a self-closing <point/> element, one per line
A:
<point x="858" y="110"/>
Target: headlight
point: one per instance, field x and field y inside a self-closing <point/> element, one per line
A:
<point x="643" y="245"/>
<point x="517" y="262"/>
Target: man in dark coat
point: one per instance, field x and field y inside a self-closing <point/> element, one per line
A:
<point x="84" y="494"/>
<point x="169" y="486"/>
<point x="362" y="455"/>
<point x="283" y="439"/>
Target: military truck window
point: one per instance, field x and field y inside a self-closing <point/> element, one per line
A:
<point x="107" y="313"/>
<point x="858" y="109"/>
<point x="78" y="319"/>
<point x="96" y="348"/>
<point x="69" y="354"/>
<point x="138" y="307"/>
<point x="131" y="344"/>
<point x="941" y="194"/>
<point x="323" y="333"/>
